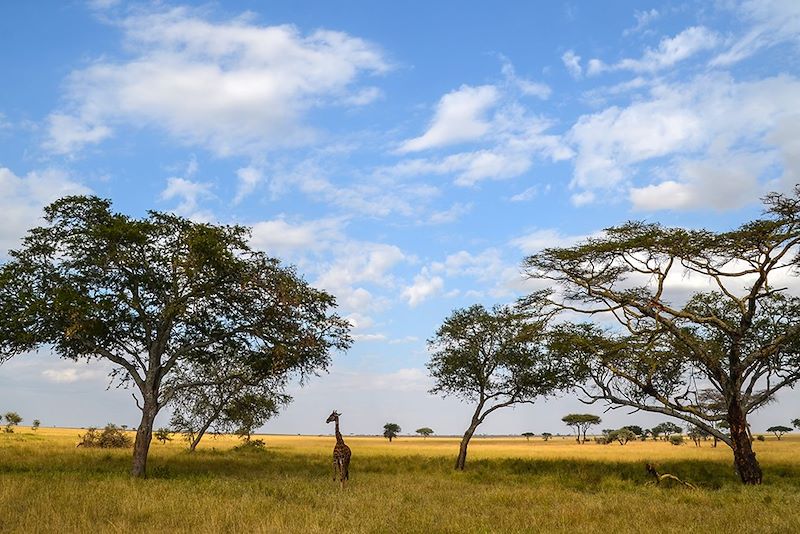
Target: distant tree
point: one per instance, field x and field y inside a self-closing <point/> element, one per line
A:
<point x="390" y="431"/>
<point x="581" y="422"/>
<point x="623" y="435"/>
<point x="676" y="439"/>
<point x="696" y="434"/>
<point x="796" y="423"/>
<point x="666" y="429"/>
<point x="36" y="424"/>
<point x="779" y="430"/>
<point x="636" y="429"/>
<point x="124" y="427"/>
<point x="744" y="332"/>
<point x="528" y="435"/>
<point x="493" y="358"/>
<point x="111" y="437"/>
<point x="546" y="435"/>
<point x="154" y="294"/>
<point x="12" y="420"/>
<point x="424" y="432"/>
<point x="163" y="435"/>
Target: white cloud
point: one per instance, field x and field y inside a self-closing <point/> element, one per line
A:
<point x="71" y="374"/>
<point x="643" y="19"/>
<point x="23" y="198"/>
<point x="460" y="116"/>
<point x="772" y="22"/>
<point x="572" y="62"/>
<point x="424" y="287"/>
<point x="544" y="238"/>
<point x="452" y="214"/>
<point x="670" y="51"/>
<point x="249" y="178"/>
<point x="279" y="237"/>
<point x="528" y="194"/>
<point x="523" y="85"/>
<point x="234" y="87"/>
<point x="190" y="194"/>
<point x="688" y="129"/>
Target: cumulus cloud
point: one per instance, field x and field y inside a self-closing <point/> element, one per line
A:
<point x="281" y="237"/>
<point x="190" y="194"/>
<point x="460" y="116"/>
<point x="234" y="87"/>
<point x="23" y="198"/>
<point x="424" y="287"/>
<point x="697" y="132"/>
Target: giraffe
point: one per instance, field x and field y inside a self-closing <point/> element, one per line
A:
<point x="341" y="453"/>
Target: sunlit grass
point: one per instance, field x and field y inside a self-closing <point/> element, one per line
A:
<point x="510" y="485"/>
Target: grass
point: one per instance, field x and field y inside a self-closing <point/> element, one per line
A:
<point x="510" y="485"/>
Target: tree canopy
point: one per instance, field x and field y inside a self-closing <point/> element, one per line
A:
<point x="581" y="422"/>
<point x="390" y="431"/>
<point x="493" y="359"/>
<point x="779" y="430"/>
<point x="155" y="295"/>
<point x="424" y="431"/>
<point x="741" y="338"/>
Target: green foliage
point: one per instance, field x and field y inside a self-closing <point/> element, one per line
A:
<point x="12" y="420"/>
<point x="251" y="445"/>
<point x="163" y="435"/>
<point x="796" y="423"/>
<point x="424" y="431"/>
<point x="745" y="332"/>
<point x="779" y="430"/>
<point x="760" y="437"/>
<point x="581" y="422"/>
<point x="636" y="429"/>
<point x="111" y="437"/>
<point x="546" y="435"/>
<point x="390" y="431"/>
<point x="36" y="424"/>
<point x="676" y="439"/>
<point x="159" y="298"/>
<point x="665" y="429"/>
<point x="622" y="435"/>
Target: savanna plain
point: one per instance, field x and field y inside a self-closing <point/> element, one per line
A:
<point x="409" y="485"/>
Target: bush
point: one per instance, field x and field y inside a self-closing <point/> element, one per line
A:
<point x="761" y="438"/>
<point x="111" y="437"/>
<point x="251" y="445"/>
<point x="676" y="439"/>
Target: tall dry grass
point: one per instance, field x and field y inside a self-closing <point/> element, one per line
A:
<point x="510" y="485"/>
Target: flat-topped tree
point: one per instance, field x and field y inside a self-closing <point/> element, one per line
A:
<point x="494" y="359"/>
<point x="156" y="295"/>
<point x="741" y="335"/>
<point x="581" y="422"/>
<point x="779" y="430"/>
<point x="424" y="431"/>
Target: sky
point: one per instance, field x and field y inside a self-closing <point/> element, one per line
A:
<point x="405" y="156"/>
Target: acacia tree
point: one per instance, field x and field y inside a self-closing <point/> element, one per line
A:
<point x="153" y="295"/>
<point x="779" y="430"/>
<point x="743" y="335"/>
<point x="12" y="420"/>
<point x="796" y="423"/>
<point x="424" y="432"/>
<point x="492" y="358"/>
<point x="581" y="422"/>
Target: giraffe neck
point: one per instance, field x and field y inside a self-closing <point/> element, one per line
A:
<point x="339" y="438"/>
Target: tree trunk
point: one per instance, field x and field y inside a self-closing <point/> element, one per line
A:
<point x="462" y="450"/>
<point x="743" y="456"/>
<point x="144" y="435"/>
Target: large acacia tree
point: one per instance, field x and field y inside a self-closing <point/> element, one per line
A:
<point x="155" y="295"/>
<point x="741" y="338"/>
<point x="494" y="359"/>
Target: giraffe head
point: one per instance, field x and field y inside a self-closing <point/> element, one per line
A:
<point x="334" y="416"/>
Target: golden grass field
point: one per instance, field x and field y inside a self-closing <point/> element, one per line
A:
<point x="510" y="485"/>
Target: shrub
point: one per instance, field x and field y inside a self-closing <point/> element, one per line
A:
<point x="676" y="439"/>
<point x="111" y="437"/>
<point x="251" y="445"/>
<point x="761" y="438"/>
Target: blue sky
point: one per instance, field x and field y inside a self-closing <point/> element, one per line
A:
<point x="404" y="156"/>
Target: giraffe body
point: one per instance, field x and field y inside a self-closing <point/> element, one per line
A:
<point x="341" y="454"/>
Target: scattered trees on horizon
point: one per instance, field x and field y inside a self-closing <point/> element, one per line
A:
<point x="581" y="422"/>
<point x="494" y="359"/>
<point x="155" y="295"/>
<point x="528" y="435"/>
<point x="739" y="337"/>
<point x="391" y="430"/>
